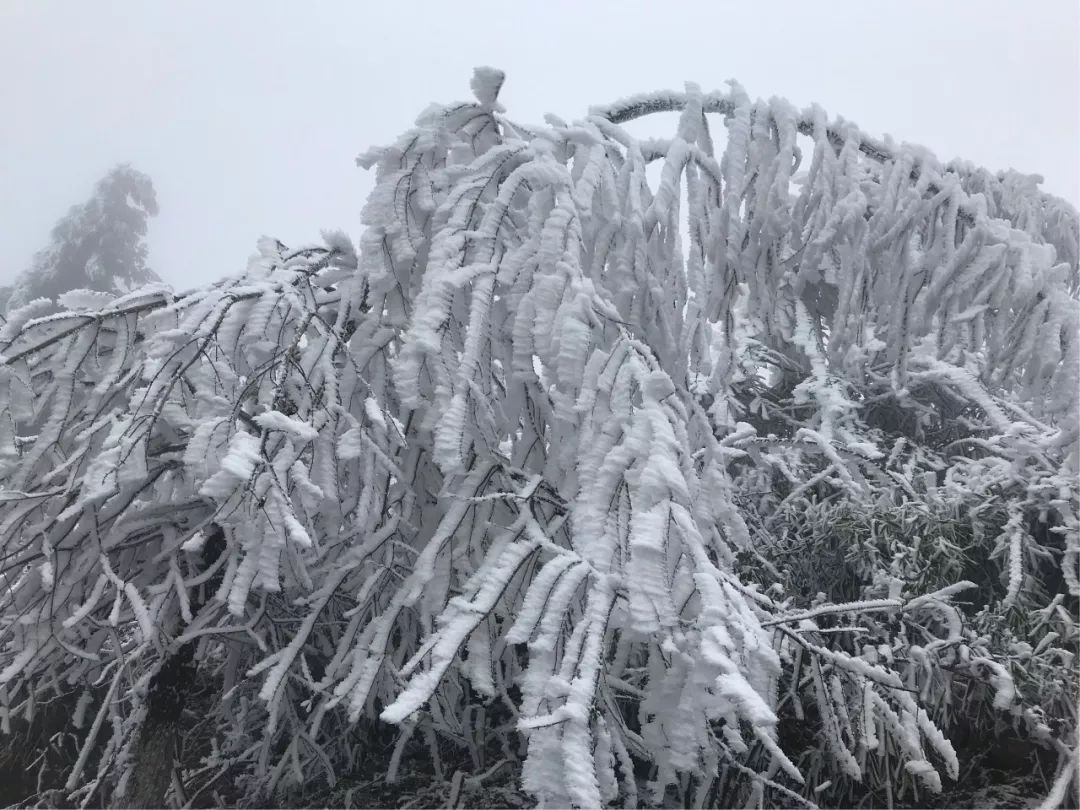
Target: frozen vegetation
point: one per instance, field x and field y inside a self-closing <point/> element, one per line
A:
<point x="755" y="485"/>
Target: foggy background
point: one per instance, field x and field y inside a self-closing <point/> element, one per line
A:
<point x="248" y="115"/>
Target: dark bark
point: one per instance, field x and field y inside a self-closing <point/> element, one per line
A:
<point x="155" y="749"/>
<point x="154" y="752"/>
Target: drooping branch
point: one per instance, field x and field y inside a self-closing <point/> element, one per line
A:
<point x="639" y="106"/>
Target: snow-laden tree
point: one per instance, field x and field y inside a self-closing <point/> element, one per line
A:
<point x="545" y="456"/>
<point x="96" y="246"/>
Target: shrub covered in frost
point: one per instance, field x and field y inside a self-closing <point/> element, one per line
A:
<point x="636" y="468"/>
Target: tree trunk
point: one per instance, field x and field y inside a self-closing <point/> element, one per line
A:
<point x="155" y="749"/>
<point x="154" y="752"/>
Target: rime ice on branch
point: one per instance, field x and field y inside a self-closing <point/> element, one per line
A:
<point x="522" y="439"/>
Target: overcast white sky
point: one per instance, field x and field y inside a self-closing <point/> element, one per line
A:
<point x="248" y="115"/>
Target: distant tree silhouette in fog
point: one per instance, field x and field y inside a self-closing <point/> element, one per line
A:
<point x="98" y="245"/>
